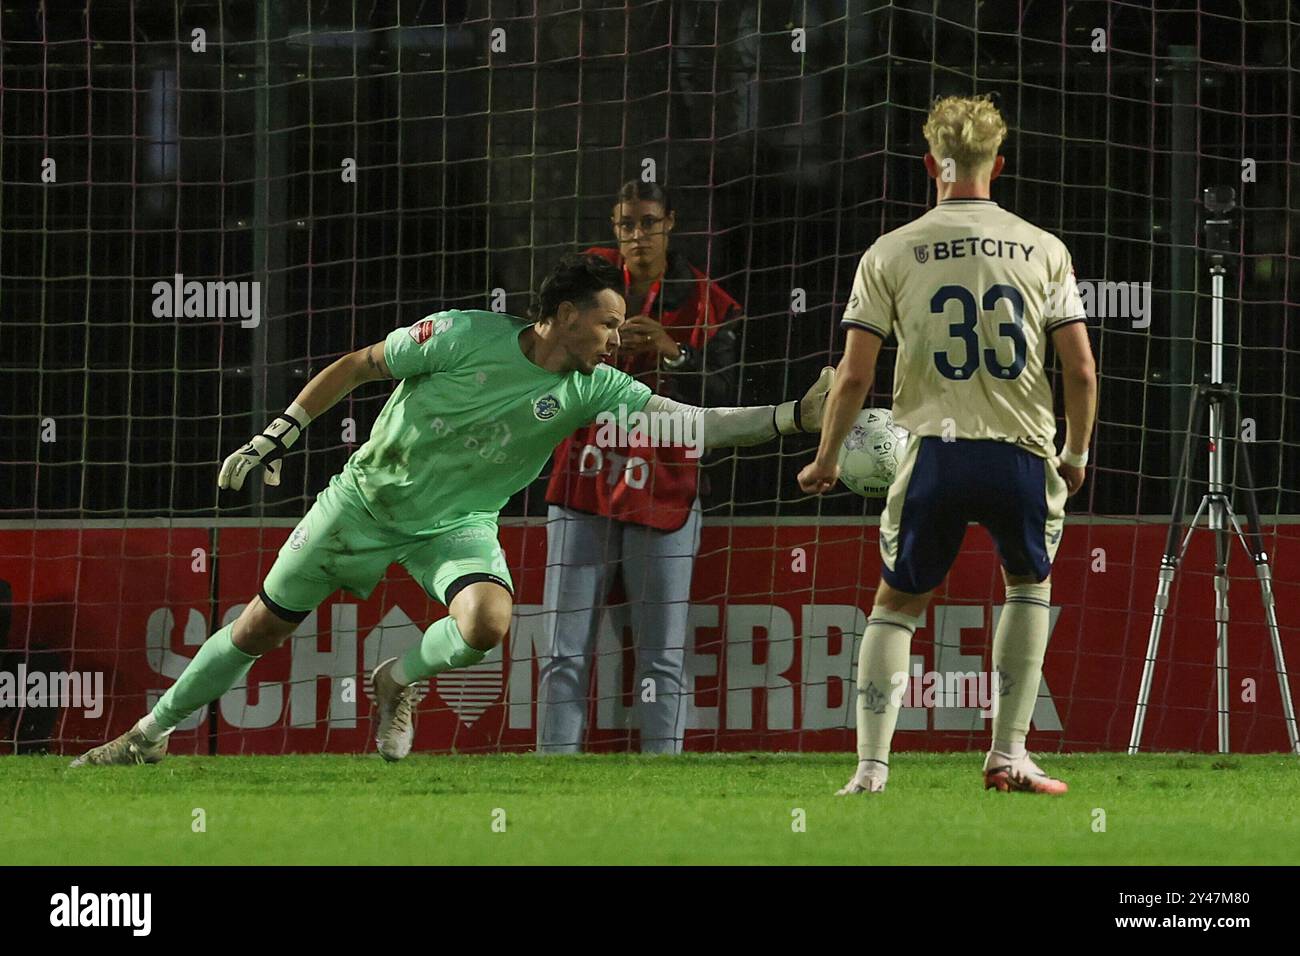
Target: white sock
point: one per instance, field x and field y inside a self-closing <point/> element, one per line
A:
<point x="1004" y="752"/>
<point x="1019" y="645"/>
<point x="884" y="654"/>
<point x="149" y="727"/>
<point x="873" y="768"/>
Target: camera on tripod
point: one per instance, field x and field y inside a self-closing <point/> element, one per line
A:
<point x="1220" y="201"/>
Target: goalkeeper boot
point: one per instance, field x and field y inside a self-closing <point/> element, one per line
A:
<point x="394" y="705"/>
<point x="871" y="777"/>
<point x="1019" y="775"/>
<point x="132" y="747"/>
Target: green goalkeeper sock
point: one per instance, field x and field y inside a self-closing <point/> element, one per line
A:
<point x="882" y="664"/>
<point x="218" y="666"/>
<point x="1019" y="644"/>
<point x="442" y="648"/>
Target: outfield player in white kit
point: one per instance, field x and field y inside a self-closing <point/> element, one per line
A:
<point x="972" y="292"/>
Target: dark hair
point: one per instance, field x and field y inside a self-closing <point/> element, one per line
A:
<point x="576" y="278"/>
<point x="638" y="189"/>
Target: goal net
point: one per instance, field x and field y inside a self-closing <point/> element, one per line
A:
<point x="323" y="173"/>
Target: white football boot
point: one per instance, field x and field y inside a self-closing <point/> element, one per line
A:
<point x="394" y="706"/>
<point x="1019" y="775"/>
<point x="130" y="748"/>
<point x="870" y="777"/>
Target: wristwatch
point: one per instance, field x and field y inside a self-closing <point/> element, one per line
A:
<point x="681" y="359"/>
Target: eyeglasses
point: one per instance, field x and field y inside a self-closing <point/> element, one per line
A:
<point x="647" y="225"/>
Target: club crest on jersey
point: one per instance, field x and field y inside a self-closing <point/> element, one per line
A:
<point x="298" y="538"/>
<point x="922" y="253"/>
<point x="546" y="408"/>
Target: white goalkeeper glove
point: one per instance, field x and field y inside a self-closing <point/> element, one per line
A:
<point x="265" y="449"/>
<point x="805" y="415"/>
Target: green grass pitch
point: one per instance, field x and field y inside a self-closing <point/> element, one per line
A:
<point x="615" y="809"/>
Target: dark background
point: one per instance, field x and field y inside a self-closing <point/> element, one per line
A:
<point x="477" y="169"/>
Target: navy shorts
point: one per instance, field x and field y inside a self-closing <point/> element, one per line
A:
<point x="942" y="486"/>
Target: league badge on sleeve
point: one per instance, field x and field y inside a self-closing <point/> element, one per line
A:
<point x="426" y="329"/>
<point x="422" y="331"/>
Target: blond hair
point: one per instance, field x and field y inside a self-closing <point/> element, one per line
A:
<point x="967" y="130"/>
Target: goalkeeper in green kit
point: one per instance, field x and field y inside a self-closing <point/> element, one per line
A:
<point x="482" y="401"/>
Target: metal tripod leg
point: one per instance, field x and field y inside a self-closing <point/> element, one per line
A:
<point x="1219" y="526"/>
<point x="1254" y="546"/>
<point x="1251" y="542"/>
<point x="1214" y="493"/>
<point x="1174" y="551"/>
<point x="1265" y="575"/>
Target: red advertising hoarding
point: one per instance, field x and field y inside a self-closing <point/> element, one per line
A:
<point x="775" y="612"/>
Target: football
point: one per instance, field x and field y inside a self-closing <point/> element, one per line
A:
<point x="870" y="454"/>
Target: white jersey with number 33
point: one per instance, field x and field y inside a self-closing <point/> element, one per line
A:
<point x="972" y="293"/>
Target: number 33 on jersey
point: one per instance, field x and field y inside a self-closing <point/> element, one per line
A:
<point x="971" y="292"/>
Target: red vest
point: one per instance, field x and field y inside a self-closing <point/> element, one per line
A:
<point x="651" y="486"/>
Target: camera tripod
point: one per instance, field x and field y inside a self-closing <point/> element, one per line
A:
<point x="1216" y="503"/>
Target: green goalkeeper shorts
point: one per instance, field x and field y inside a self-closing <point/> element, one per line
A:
<point x="339" y="545"/>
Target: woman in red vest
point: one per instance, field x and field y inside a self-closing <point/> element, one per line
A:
<point x="633" y="510"/>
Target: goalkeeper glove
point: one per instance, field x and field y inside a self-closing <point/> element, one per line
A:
<point x="805" y="415"/>
<point x="265" y="449"/>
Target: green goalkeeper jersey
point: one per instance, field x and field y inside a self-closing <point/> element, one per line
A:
<point x="472" y="420"/>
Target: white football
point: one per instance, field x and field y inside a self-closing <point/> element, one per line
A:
<point x="870" y="454"/>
